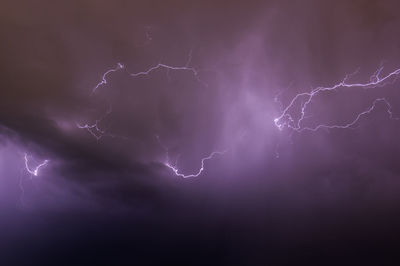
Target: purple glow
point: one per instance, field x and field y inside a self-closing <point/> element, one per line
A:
<point x="199" y="132"/>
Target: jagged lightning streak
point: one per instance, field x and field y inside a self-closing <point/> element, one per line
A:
<point x="185" y="67"/>
<point x="147" y="72"/>
<point x="199" y="172"/>
<point x="358" y="117"/>
<point x="34" y="171"/>
<point x="174" y="167"/>
<point x="94" y="129"/>
<point x="286" y="120"/>
<point x="104" y="77"/>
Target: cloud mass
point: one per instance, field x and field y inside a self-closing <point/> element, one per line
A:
<point x="105" y="106"/>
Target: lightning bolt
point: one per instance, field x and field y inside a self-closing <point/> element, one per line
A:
<point x="358" y="117"/>
<point x="94" y="129"/>
<point x="286" y="120"/>
<point x="103" y="80"/>
<point x="174" y="167"/>
<point x="34" y="171"/>
<point x="147" y="72"/>
<point x="186" y="67"/>
<point x="175" y="170"/>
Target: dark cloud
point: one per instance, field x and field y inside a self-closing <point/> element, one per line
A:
<point x="275" y="198"/>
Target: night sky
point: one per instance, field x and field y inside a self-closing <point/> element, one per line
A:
<point x="146" y="132"/>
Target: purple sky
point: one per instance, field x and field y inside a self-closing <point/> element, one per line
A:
<point x="275" y="197"/>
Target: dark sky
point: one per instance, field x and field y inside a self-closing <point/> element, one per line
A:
<point x="275" y="197"/>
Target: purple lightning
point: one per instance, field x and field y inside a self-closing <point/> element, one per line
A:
<point x="176" y="170"/>
<point x="186" y="67"/>
<point x="34" y="171"/>
<point x="286" y="120"/>
<point x="174" y="167"/>
<point x="104" y="77"/>
<point x="95" y="129"/>
<point x="352" y="123"/>
<point x="147" y="72"/>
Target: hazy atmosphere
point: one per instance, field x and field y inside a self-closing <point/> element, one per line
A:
<point x="199" y="132"/>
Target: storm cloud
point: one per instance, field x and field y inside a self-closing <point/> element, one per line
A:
<point x="275" y="197"/>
